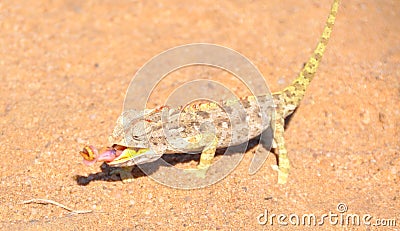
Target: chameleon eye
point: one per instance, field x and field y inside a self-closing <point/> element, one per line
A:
<point x="137" y="138"/>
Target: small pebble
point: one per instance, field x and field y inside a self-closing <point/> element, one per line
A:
<point x="365" y="117"/>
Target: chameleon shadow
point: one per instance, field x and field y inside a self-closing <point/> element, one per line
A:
<point x="289" y="118"/>
<point x="106" y="170"/>
<point x="167" y="160"/>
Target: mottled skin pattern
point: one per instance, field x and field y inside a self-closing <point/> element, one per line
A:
<point x="181" y="130"/>
<point x="197" y="127"/>
<point x="205" y="127"/>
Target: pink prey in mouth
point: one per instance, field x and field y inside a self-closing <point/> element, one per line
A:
<point x="91" y="155"/>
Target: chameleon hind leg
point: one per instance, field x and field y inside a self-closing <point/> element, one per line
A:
<point x="280" y="151"/>
<point x="206" y="157"/>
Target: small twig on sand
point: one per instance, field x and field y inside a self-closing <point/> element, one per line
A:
<point x="44" y="201"/>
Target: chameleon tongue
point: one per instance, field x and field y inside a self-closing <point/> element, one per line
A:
<point x="108" y="155"/>
<point x="91" y="155"/>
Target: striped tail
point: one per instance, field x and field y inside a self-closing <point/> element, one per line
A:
<point x="294" y="93"/>
<point x="289" y="98"/>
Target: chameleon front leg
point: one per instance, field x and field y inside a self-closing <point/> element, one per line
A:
<point x="280" y="151"/>
<point x="206" y="157"/>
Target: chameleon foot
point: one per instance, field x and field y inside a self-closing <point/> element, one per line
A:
<point x="206" y="157"/>
<point x="197" y="172"/>
<point x="283" y="174"/>
<point x="124" y="173"/>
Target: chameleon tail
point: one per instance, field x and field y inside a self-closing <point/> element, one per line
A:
<point x="294" y="93"/>
<point x="289" y="98"/>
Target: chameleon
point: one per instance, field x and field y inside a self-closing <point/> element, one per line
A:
<point x="201" y="127"/>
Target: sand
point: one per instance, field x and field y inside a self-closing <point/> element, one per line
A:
<point x="65" y="67"/>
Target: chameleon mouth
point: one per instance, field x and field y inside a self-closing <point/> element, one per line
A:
<point x="130" y="155"/>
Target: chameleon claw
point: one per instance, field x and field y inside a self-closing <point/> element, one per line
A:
<point x="275" y="167"/>
<point x="283" y="173"/>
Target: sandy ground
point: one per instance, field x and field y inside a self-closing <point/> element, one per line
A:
<point x="65" y="67"/>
